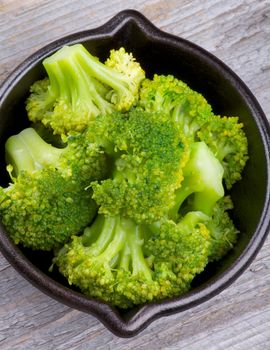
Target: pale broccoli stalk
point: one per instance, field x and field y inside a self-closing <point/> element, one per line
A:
<point x="79" y="87"/>
<point x="48" y="200"/>
<point x="27" y="151"/>
<point x="202" y="178"/>
<point x="117" y="237"/>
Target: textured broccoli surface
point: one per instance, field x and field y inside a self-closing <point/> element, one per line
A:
<point x="172" y="96"/>
<point x="148" y="152"/>
<point x="222" y="230"/>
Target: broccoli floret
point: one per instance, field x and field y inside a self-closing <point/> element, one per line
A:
<point x="147" y="152"/>
<point x="169" y="95"/>
<point x="79" y="87"/>
<point x="124" y="63"/>
<point x="223" y="233"/>
<point x="223" y="135"/>
<point x="202" y="180"/>
<point x="183" y="247"/>
<point x="125" y="264"/>
<point x="48" y="200"/>
<point x="228" y="142"/>
<point x="42" y="210"/>
<point x="80" y="159"/>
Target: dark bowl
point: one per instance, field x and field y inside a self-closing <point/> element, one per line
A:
<point x="158" y="52"/>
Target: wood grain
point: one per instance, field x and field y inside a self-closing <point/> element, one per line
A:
<point x="238" y="32"/>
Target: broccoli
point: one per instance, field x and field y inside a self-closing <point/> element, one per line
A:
<point x="202" y="180"/>
<point x="79" y="87"/>
<point x="222" y="231"/>
<point x="228" y="142"/>
<point x="223" y="135"/>
<point x="148" y="153"/>
<point x="48" y="200"/>
<point x="172" y="96"/>
<point x="125" y="264"/>
<point x="122" y="177"/>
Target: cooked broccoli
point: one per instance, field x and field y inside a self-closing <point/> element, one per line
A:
<point x="172" y="96"/>
<point x="202" y="179"/>
<point x="222" y="230"/>
<point x="148" y="153"/>
<point x="125" y="264"/>
<point x="224" y="135"/>
<point x="122" y="178"/>
<point x="48" y="201"/>
<point x="79" y="87"/>
<point x="228" y="142"/>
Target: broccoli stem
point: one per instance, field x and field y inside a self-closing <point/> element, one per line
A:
<point x="191" y="219"/>
<point x="118" y="241"/>
<point x="202" y="178"/>
<point x="124" y="259"/>
<point x="180" y="196"/>
<point x="223" y="150"/>
<point x="18" y="156"/>
<point x="135" y="243"/>
<point x="74" y="70"/>
<point x="105" y="238"/>
<point x="115" y="245"/>
<point x="101" y="233"/>
<point x="112" y="78"/>
<point x="70" y="83"/>
<point x="27" y="151"/>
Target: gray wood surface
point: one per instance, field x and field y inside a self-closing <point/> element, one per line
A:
<point x="238" y="32"/>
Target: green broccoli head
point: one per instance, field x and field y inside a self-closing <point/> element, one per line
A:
<point x="184" y="246"/>
<point x="48" y="200"/>
<point x="228" y="142"/>
<point x="125" y="264"/>
<point x="41" y="210"/>
<point x="148" y="153"/>
<point x="79" y="87"/>
<point x="169" y="95"/>
<point x="223" y="233"/>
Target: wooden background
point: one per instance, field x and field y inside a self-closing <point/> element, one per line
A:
<point x="238" y="32"/>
